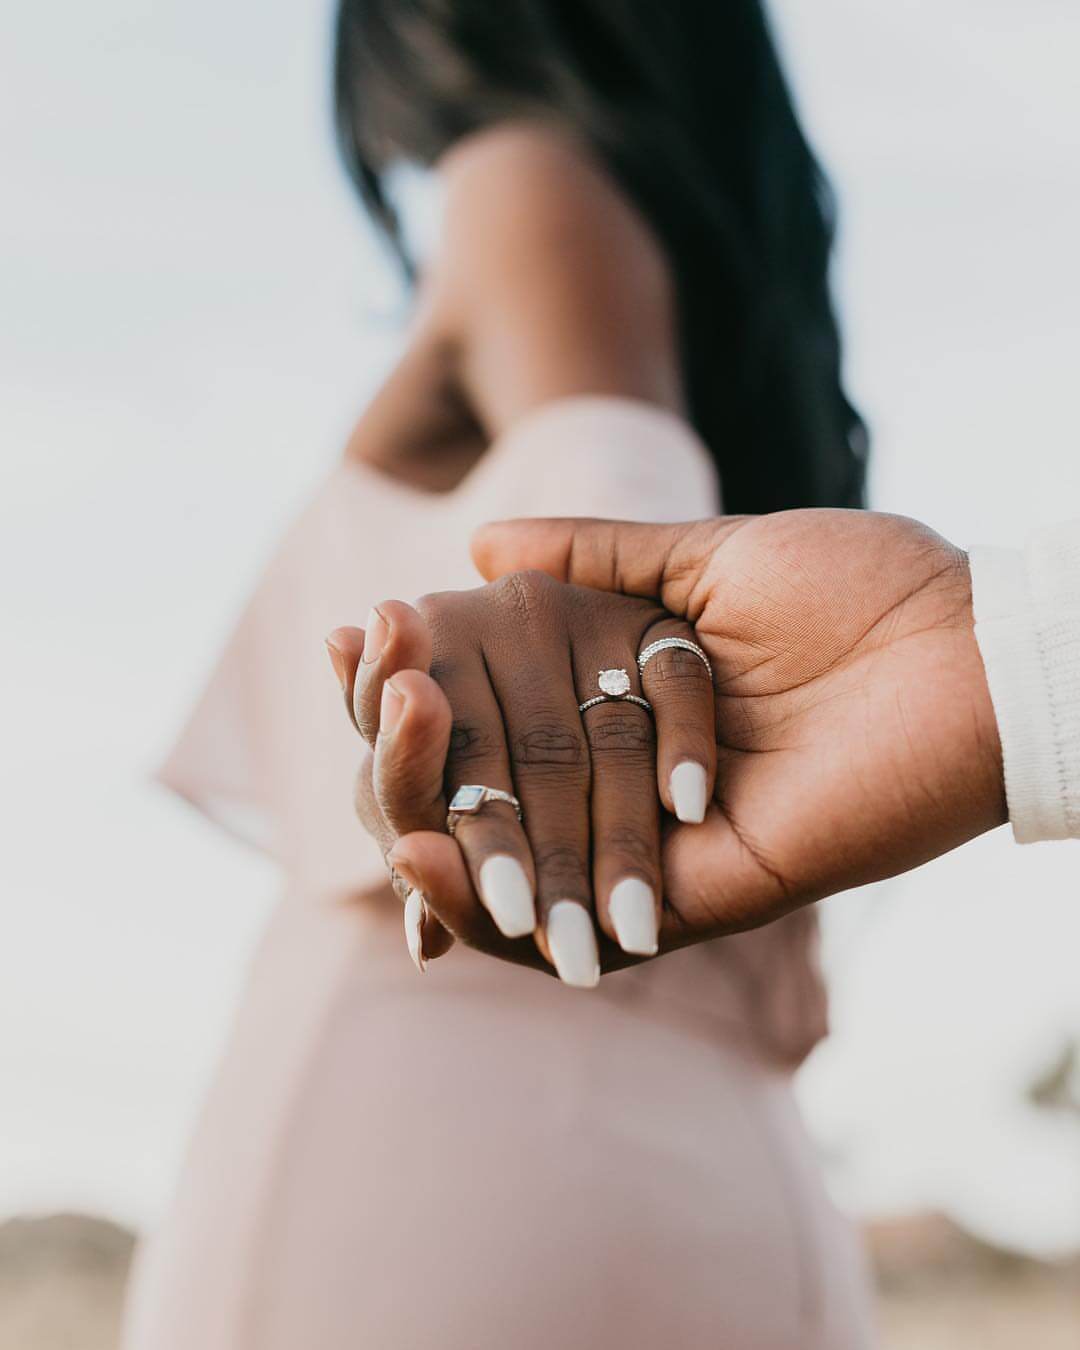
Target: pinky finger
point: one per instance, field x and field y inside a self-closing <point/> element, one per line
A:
<point x="433" y="865"/>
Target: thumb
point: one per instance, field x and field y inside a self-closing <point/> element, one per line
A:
<point x="657" y="561"/>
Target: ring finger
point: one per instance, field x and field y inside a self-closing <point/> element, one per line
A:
<point x="625" y="810"/>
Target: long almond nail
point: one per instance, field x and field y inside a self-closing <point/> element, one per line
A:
<point x="414" y="929"/>
<point x="632" y="906"/>
<point x="375" y="635"/>
<point x="572" y="942"/>
<point x="688" y="791"/>
<point x="507" y="895"/>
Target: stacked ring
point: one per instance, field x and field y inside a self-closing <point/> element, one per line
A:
<point x="668" y="644"/>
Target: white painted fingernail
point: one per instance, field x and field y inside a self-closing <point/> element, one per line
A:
<point x="572" y="941"/>
<point x="688" y="791"/>
<point x="414" y="928"/>
<point x="633" y="916"/>
<point x="507" y="895"/>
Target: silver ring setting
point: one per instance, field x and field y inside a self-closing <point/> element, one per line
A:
<point x="614" y="688"/>
<point x="669" y="644"/>
<point x="471" y="798"/>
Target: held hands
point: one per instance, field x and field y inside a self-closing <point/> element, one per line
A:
<point x="854" y="733"/>
<point x="501" y="688"/>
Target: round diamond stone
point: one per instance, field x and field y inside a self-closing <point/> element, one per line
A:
<point x="614" y="683"/>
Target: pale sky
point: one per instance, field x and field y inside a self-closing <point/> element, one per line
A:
<point x="192" y="312"/>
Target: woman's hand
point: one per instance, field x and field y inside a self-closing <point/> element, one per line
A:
<point x="483" y="688"/>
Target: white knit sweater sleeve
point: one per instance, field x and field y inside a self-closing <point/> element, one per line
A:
<point x="1027" y="624"/>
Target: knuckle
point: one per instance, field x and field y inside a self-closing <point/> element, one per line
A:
<point x="621" y="732"/>
<point x="471" y="742"/>
<point x="551" y="745"/>
<point x="526" y="593"/>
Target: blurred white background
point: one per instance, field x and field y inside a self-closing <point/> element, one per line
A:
<point x="191" y="314"/>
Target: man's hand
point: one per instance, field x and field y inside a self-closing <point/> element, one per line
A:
<point x="855" y="731"/>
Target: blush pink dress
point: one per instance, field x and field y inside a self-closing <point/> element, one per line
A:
<point x="479" y="1158"/>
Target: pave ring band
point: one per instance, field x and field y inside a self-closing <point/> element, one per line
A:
<point x="471" y="798"/>
<point x="668" y="644"/>
<point x="614" y="688"/>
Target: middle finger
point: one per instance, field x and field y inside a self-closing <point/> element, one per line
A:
<point x="535" y="690"/>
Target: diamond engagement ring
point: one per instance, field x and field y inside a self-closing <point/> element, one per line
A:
<point x="614" y="688"/>
<point x="668" y="644"/>
<point x="471" y="798"/>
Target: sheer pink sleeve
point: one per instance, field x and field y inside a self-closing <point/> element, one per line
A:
<point x="220" y="762"/>
<point x="268" y="751"/>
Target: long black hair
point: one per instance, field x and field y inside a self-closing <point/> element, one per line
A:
<point x="684" y="101"/>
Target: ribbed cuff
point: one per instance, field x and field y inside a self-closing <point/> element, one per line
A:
<point x="1027" y="625"/>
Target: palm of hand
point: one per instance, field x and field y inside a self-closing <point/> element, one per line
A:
<point x="855" y="733"/>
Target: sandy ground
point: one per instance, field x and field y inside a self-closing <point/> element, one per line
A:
<point x="61" y="1283"/>
<point x="1032" y="1315"/>
<point x="62" y="1278"/>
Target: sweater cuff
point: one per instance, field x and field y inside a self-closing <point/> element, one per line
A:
<point x="1027" y="625"/>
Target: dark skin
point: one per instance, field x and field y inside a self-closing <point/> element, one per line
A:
<point x="856" y="734"/>
<point x="488" y="683"/>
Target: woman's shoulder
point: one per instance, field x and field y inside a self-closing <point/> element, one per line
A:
<point x="538" y="159"/>
<point x="545" y="283"/>
<point x="548" y="277"/>
<point x="532" y="196"/>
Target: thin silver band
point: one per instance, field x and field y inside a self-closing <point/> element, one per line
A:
<point x="471" y="798"/>
<point x="667" y="644"/>
<point x="615" y="698"/>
